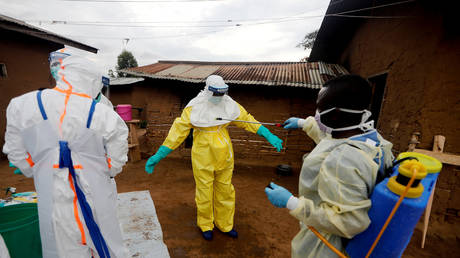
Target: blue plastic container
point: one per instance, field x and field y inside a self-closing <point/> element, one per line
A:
<point x="399" y="232"/>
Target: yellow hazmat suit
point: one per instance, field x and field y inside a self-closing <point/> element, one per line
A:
<point x="212" y="162"/>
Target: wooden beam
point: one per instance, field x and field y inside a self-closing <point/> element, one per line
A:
<point x="445" y="158"/>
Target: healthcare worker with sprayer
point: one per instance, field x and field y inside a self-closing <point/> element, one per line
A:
<point x="212" y="152"/>
<point x="340" y="173"/>
<point x="72" y="147"/>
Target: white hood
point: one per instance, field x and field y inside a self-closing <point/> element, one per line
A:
<point x="204" y="113"/>
<point x="82" y="74"/>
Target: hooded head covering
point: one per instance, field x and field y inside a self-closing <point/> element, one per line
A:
<point x="205" y="112"/>
<point x="81" y="75"/>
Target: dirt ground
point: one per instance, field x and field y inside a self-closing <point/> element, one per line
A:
<point x="264" y="231"/>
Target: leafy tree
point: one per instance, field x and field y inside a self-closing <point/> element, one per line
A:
<point x="125" y="60"/>
<point x="309" y="40"/>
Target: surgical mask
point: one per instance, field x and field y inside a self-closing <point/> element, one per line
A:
<point x="363" y="125"/>
<point x="215" y="99"/>
<point x="54" y="72"/>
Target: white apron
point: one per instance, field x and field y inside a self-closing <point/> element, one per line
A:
<point x="60" y="233"/>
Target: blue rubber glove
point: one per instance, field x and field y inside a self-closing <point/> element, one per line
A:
<point x="17" y="171"/>
<point x="271" y="138"/>
<point x="162" y="152"/>
<point x="291" y="123"/>
<point x="277" y="195"/>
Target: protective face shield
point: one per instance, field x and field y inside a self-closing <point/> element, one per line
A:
<point x="55" y="59"/>
<point x="363" y="125"/>
<point x="216" y="85"/>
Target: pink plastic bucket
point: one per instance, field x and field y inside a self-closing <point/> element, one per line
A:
<point x="125" y="112"/>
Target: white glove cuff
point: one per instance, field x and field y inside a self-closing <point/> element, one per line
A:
<point x="301" y="123"/>
<point x="292" y="203"/>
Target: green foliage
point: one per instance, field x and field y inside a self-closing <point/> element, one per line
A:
<point x="125" y="60"/>
<point x="309" y="40"/>
<point x="111" y="73"/>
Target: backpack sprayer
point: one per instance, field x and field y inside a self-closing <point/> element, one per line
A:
<point x="249" y="122"/>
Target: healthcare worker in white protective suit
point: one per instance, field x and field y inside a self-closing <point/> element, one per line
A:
<point x="72" y="147"/>
<point x="212" y="152"/>
<point x="340" y="173"/>
<point x="59" y="55"/>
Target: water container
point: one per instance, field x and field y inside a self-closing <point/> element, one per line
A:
<point x="399" y="231"/>
<point x="125" y="112"/>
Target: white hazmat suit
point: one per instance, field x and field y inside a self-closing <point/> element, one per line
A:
<point x="72" y="147"/>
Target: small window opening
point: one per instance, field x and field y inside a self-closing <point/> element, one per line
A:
<point x="3" y="73"/>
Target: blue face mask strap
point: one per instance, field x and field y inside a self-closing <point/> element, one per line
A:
<point x="40" y="105"/>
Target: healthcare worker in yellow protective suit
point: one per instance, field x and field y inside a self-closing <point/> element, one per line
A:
<point x="72" y="147"/>
<point x="339" y="175"/>
<point x="212" y="152"/>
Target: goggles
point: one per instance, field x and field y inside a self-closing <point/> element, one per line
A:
<point x="218" y="91"/>
<point x="54" y="57"/>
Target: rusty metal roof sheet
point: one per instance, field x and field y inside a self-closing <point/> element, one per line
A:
<point x="296" y="74"/>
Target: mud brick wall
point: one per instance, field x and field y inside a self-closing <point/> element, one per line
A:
<point x="447" y="195"/>
<point x="163" y="100"/>
<point x="22" y="76"/>
<point x="421" y="57"/>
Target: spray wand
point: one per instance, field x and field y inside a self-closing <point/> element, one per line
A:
<point x="242" y="121"/>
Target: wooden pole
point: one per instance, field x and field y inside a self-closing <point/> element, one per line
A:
<point x="438" y="146"/>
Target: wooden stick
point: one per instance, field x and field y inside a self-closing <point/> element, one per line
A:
<point x="438" y="146"/>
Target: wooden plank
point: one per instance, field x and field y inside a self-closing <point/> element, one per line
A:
<point x="438" y="144"/>
<point x="135" y="151"/>
<point x="445" y="158"/>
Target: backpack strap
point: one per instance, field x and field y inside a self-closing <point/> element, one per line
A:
<point x="372" y="139"/>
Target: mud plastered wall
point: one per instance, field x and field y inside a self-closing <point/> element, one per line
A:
<point x="422" y="57"/>
<point x="164" y="100"/>
<point x="27" y="67"/>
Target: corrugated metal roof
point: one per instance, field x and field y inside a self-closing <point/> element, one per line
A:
<point x="125" y="80"/>
<point x="296" y="74"/>
<point x="12" y="24"/>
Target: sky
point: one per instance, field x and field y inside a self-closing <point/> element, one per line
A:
<point x="189" y="30"/>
